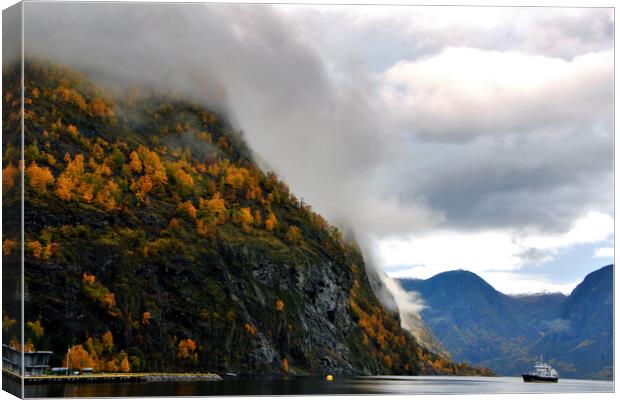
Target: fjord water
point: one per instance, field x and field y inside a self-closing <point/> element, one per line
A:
<point x="318" y="386"/>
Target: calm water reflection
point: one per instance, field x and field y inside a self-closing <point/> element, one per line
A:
<point x="315" y="386"/>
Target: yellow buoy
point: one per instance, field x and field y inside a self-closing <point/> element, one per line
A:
<point x="329" y="378"/>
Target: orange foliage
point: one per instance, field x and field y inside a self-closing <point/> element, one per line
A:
<point x="70" y="95"/>
<point x="250" y="329"/>
<point x="203" y="228"/>
<point x="29" y="346"/>
<point x="135" y="165"/>
<point x="40" y="251"/>
<point x="271" y="222"/>
<point x="88" y="278"/>
<point x="110" y="300"/>
<point x="99" y="108"/>
<point x="8" y="245"/>
<point x="72" y="129"/>
<point x="105" y="197"/>
<point x="39" y="178"/>
<point x="236" y="177"/>
<point x="279" y="305"/>
<point x="78" y="358"/>
<point x="8" y="176"/>
<point x="142" y="187"/>
<point x="124" y="365"/>
<point x="189" y="208"/>
<point x="64" y="185"/>
<point x="187" y="350"/>
<point x="285" y="365"/>
<point x="107" y="340"/>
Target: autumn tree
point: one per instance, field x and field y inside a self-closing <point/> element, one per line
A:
<point x="187" y="350"/>
<point x="294" y="236"/>
<point x="216" y="207"/>
<point x="78" y="358"/>
<point x="36" y="328"/>
<point x="8" y="245"/>
<point x="188" y="208"/>
<point x="146" y="318"/>
<point x="9" y="173"/>
<point x="271" y="222"/>
<point x="244" y="218"/>
<point x="39" y="177"/>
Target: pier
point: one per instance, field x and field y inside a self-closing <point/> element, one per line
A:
<point x="115" y="377"/>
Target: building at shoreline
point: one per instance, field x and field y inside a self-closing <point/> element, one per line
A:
<point x="35" y="362"/>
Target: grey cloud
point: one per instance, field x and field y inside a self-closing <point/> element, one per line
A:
<point x="322" y="137"/>
<point x="544" y="182"/>
<point x="300" y="85"/>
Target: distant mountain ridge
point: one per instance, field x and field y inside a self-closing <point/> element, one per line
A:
<point x="478" y="324"/>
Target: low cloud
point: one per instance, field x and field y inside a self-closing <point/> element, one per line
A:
<point x="461" y="130"/>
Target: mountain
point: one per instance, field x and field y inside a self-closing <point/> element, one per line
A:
<point x="153" y="241"/>
<point x="477" y="324"/>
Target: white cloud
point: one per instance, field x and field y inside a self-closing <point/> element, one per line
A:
<point x="461" y="93"/>
<point x="514" y="283"/>
<point x="496" y="255"/>
<point x="604" y="252"/>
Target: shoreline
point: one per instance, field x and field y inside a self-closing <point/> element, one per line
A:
<point x="116" y="377"/>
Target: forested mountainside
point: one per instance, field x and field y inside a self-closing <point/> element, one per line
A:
<point x="154" y="242"/>
<point x="480" y="325"/>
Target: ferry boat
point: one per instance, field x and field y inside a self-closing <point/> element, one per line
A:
<point x="542" y="373"/>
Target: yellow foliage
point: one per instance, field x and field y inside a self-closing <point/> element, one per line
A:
<point x="236" y="177"/>
<point x="36" y="328"/>
<point x="29" y="346"/>
<point x="39" y="177"/>
<point x="70" y="95"/>
<point x="135" y="165"/>
<point x="293" y="235"/>
<point x="8" y="323"/>
<point x="98" y="152"/>
<point x="244" y="217"/>
<point x="217" y="208"/>
<point x="78" y="358"/>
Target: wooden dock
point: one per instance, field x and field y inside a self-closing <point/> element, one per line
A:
<point x="116" y="377"/>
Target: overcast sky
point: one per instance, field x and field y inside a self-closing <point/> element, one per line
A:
<point x="444" y="137"/>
